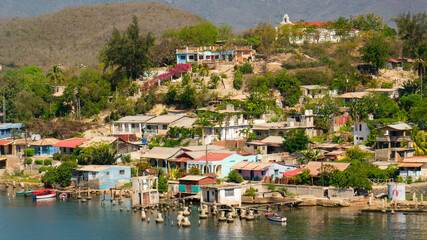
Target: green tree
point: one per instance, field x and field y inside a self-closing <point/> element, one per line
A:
<point x="163" y="182"/>
<point x="375" y="51"/>
<point x="238" y="80"/>
<point x="289" y="87"/>
<point x="129" y="52"/>
<point x="204" y="33"/>
<point x="225" y="32"/>
<point x="295" y="141"/>
<point x="412" y="29"/>
<point x="418" y="113"/>
<point x="63" y="173"/>
<point x="188" y="97"/>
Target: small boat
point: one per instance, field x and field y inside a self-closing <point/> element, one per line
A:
<point x="26" y="193"/>
<point x="275" y="218"/>
<point x="44" y="193"/>
<point x="63" y="196"/>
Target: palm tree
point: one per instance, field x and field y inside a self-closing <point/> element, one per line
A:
<point x="419" y="139"/>
<point x="203" y="121"/>
<point x="420" y="65"/>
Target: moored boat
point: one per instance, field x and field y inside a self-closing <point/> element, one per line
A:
<point x="25" y="193"/>
<point x="44" y="193"/>
<point x="275" y="218"/>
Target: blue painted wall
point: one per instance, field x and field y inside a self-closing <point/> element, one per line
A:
<point x="281" y="168"/>
<point x="48" y="150"/>
<point x="232" y="160"/>
<point x="6" y="129"/>
<point x="113" y="176"/>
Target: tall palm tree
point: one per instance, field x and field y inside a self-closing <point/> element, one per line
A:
<point x="420" y="65"/>
<point x="55" y="75"/>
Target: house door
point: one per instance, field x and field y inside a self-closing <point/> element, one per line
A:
<point x="216" y="196"/>
<point x="146" y="198"/>
<point x="252" y="175"/>
<point x="208" y="194"/>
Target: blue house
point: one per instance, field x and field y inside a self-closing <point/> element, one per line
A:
<point x="6" y="129"/>
<point x="101" y="177"/>
<point x="214" y="54"/>
<point x="45" y="146"/>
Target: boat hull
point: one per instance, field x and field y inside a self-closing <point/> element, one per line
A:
<point x="277" y="218"/>
<point x="45" y="196"/>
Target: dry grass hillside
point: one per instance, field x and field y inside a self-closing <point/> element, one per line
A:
<point x="75" y="35"/>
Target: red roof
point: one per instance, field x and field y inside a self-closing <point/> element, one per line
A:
<point x="309" y="24"/>
<point x="214" y="157"/>
<point x="292" y="173"/>
<point x="70" y="143"/>
<point x="5" y="142"/>
<point x="241" y="153"/>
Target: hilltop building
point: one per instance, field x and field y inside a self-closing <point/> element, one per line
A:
<point x="389" y="142"/>
<point x="212" y="55"/>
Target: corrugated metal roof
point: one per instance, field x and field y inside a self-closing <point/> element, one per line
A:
<point x="273" y="139"/>
<point x="202" y="148"/>
<point x="313" y="87"/>
<point x="417" y="159"/>
<point x="162" y="153"/>
<point x="214" y="156"/>
<point x="398" y="126"/>
<point x="353" y="95"/>
<point x="169" y="118"/>
<point x="93" y="168"/>
<point x="135" y="119"/>
<point x="255" y="166"/>
<point x="193" y="178"/>
<point x="10" y="125"/>
<point x="186" y="122"/>
<point x="291" y="173"/>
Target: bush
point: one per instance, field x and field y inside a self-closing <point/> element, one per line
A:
<point x="126" y="158"/>
<point x="38" y="162"/>
<point x="57" y="156"/>
<point x="409" y="180"/>
<point x="47" y="162"/>
<point x="194" y="171"/>
<point x="29" y="152"/>
<point x="223" y="75"/>
<point x="250" y="192"/>
<point x="28" y="161"/>
<point x="43" y="169"/>
<point x="134" y="172"/>
<point x="238" y="80"/>
<point x="66" y="158"/>
<point x="233" y="176"/>
<point x="399" y="179"/>
<point x="246" y="68"/>
<point x="271" y="187"/>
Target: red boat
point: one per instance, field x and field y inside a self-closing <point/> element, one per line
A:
<point x="44" y="193"/>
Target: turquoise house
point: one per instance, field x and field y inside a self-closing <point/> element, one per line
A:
<point x="101" y="177"/>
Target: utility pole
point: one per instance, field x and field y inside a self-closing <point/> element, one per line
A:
<point x="207" y="169"/>
<point x="4" y="108"/>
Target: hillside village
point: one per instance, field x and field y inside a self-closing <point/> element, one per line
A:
<point x="339" y="106"/>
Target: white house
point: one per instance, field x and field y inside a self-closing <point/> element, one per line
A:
<point x="222" y="194"/>
<point x="360" y="132"/>
<point x="415" y="167"/>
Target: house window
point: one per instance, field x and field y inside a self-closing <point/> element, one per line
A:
<point x="107" y="173"/>
<point x="276" y="172"/>
<point x="240" y="171"/>
<point x="122" y="172"/>
<point x="216" y="57"/>
<point x="165" y="127"/>
<point x="229" y="192"/>
<point x="263" y="173"/>
<point x="360" y="127"/>
<point x="191" y="57"/>
<point x="182" y="57"/>
<point x="94" y="174"/>
<point x="208" y="57"/>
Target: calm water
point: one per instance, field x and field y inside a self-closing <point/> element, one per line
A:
<point x="21" y="218"/>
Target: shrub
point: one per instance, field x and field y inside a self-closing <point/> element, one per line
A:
<point x="28" y="161"/>
<point x="66" y="158"/>
<point x="38" y="162"/>
<point x="399" y="179"/>
<point x="43" y="169"/>
<point x="214" y="81"/>
<point x="29" y="152"/>
<point x="409" y="180"/>
<point x="233" y="176"/>
<point x="47" y="162"/>
<point x="57" y="156"/>
<point x="134" y="172"/>
<point x="239" y="178"/>
<point x="246" y="68"/>
<point x="250" y="192"/>
<point x="238" y="80"/>
<point x="126" y="158"/>
<point x="271" y="187"/>
<point x="223" y="75"/>
<point x="194" y="171"/>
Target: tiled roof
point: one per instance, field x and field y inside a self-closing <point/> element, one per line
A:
<point x="214" y="157"/>
<point x="162" y="153"/>
<point x="71" y="143"/>
<point x="314" y="167"/>
<point x="398" y="126"/>
<point x="184" y="122"/>
<point x="410" y="164"/>
<point x="93" y="168"/>
<point x="5" y="142"/>
<point x="291" y="173"/>
<point x="273" y="139"/>
<point x="353" y="95"/>
<point x="202" y="148"/>
<point x="45" y="142"/>
<point x="169" y="118"/>
<point x="193" y="178"/>
<point x="417" y="159"/>
<point x="135" y="119"/>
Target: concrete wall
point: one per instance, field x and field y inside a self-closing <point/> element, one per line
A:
<point x="340" y="193"/>
<point x="360" y="132"/>
<point x="114" y="177"/>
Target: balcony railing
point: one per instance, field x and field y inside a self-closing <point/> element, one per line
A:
<point x="392" y="138"/>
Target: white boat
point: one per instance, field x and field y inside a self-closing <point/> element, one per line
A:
<point x="44" y="194"/>
<point x="275" y="218"/>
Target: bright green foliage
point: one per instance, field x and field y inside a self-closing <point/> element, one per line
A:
<point x="225" y="32"/>
<point x="47" y="162"/>
<point x="188" y="97"/>
<point x="28" y="161"/>
<point x="409" y="101"/>
<point x="134" y="172"/>
<point x="233" y="176"/>
<point x="375" y="51"/>
<point x="214" y="81"/>
<point x="163" y="182"/>
<point x="289" y="87"/>
<point x="304" y="177"/>
<point x="296" y="141"/>
<point x="238" y="80"/>
<point x="250" y="192"/>
<point x="183" y="132"/>
<point x="60" y="175"/>
<point x="355" y="153"/>
<point x="271" y="187"/>
<point x="246" y="68"/>
<point x="126" y="158"/>
<point x="101" y="154"/>
<point x="419" y="139"/>
<point x="204" y="33"/>
<point x="194" y="171"/>
<point x="418" y="113"/>
<point x="38" y="162"/>
<point x="130" y="52"/>
<point x="29" y="152"/>
<point x="186" y="78"/>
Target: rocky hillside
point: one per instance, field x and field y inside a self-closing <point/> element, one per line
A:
<point x="241" y="14"/>
<point x="75" y="35"/>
